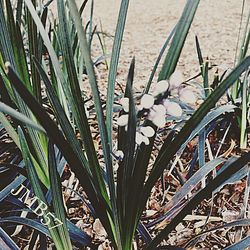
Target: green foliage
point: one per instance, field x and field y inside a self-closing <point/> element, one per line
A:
<point x="240" y="90"/>
<point x="117" y="197"/>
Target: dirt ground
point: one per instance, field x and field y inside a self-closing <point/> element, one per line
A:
<point x="149" y="22"/>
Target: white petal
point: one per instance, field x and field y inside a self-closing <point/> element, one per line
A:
<point x="148" y="131"/>
<point x="145" y="140"/>
<point x="147" y="101"/>
<point x="119" y="154"/>
<point x="174" y="92"/>
<point x="166" y="103"/>
<point x="138" y="138"/>
<point x="152" y="114"/>
<point x="159" y="121"/>
<point x="125" y="103"/>
<point x="188" y="96"/>
<point x="176" y="79"/>
<point x="139" y="107"/>
<point x="122" y="120"/>
<point x="159" y="109"/>
<point x="173" y="109"/>
<point x="161" y="86"/>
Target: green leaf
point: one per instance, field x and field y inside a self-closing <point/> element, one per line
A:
<point x="25" y="221"/>
<point x="16" y="55"/>
<point x="237" y="223"/>
<point x="98" y="107"/>
<point x="170" y="150"/>
<point x="158" y="60"/>
<point x="114" y="65"/>
<point x="62" y="118"/>
<point x="57" y="198"/>
<point x="9" y="129"/>
<point x="51" y="51"/>
<point x="33" y="39"/>
<point x="243" y="244"/>
<point x="35" y="184"/>
<point x="6" y="241"/>
<point x="18" y="47"/>
<point x="5" y="40"/>
<point x="193" y="182"/>
<point x="125" y="171"/>
<point x="178" y="40"/>
<point x="211" y="116"/>
<point x="57" y="137"/>
<point x="242" y="49"/>
<point x="205" y="193"/>
<point x="21" y="117"/>
<point x="245" y="110"/>
<point x="199" y="53"/>
<point x="77" y="102"/>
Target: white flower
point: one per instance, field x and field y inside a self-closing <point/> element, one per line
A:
<point x="139" y="107"/>
<point x="173" y="108"/>
<point x="166" y="103"/>
<point x="138" y="138"/>
<point x="7" y="65"/>
<point x="157" y="115"/>
<point x="175" y="92"/>
<point x="188" y="96"/>
<point x="147" y="131"/>
<point x="145" y="140"/>
<point x="147" y="101"/>
<point x="159" y="109"/>
<point x="176" y="79"/>
<point x="122" y="120"/>
<point x="125" y="103"/>
<point x="119" y="154"/>
<point x="159" y="121"/>
<point x="161" y="86"/>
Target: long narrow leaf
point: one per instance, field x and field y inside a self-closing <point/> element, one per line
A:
<point x="56" y="136"/>
<point x="77" y="103"/>
<point x="35" y="184"/>
<point x="179" y="38"/>
<point x="19" y="116"/>
<point x="203" y="194"/>
<point x="168" y="153"/>
<point x="243" y="244"/>
<point x="57" y="198"/>
<point x="8" y="243"/>
<point x="114" y="64"/>
<point x="165" y="45"/>
<point x="98" y="107"/>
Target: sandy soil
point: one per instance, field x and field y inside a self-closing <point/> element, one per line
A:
<point x="149" y="22"/>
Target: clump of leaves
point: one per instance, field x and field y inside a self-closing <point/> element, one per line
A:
<point x="119" y="190"/>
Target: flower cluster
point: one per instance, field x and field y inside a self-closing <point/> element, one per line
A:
<point x="158" y="104"/>
<point x="144" y="134"/>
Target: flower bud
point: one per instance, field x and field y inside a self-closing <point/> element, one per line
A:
<point x="188" y="96"/>
<point x="159" y="121"/>
<point x="159" y="109"/>
<point x="119" y="154"/>
<point x="176" y="79"/>
<point x="161" y="86"/>
<point x="147" y="131"/>
<point x="125" y="103"/>
<point x="122" y="120"/>
<point x="157" y="115"/>
<point x="147" y="101"/>
<point x="173" y="108"/>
